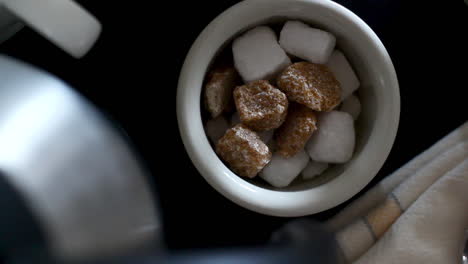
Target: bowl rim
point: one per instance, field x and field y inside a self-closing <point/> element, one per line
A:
<point x="253" y="197"/>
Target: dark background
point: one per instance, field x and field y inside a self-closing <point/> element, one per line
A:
<point x="132" y="73"/>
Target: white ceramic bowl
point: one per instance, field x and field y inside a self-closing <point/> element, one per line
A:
<point x="376" y="127"/>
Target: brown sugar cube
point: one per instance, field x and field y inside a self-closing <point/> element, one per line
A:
<point x="218" y="89"/>
<point x="243" y="150"/>
<point x="260" y="105"/>
<point x="312" y="85"/>
<point x="296" y="130"/>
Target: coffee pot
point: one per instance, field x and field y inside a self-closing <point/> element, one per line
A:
<point x="63" y="22"/>
<point x="74" y="169"/>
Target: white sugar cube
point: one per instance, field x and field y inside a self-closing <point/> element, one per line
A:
<point x="235" y="119"/>
<point x="314" y="169"/>
<point x="305" y="42"/>
<point x="215" y="128"/>
<point x="344" y="73"/>
<point x="334" y="140"/>
<point x="280" y="172"/>
<point x="258" y="56"/>
<point x="351" y="106"/>
<point x="266" y="136"/>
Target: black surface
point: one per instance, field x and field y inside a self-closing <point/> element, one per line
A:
<point x="132" y="75"/>
<point x="314" y="244"/>
<point x="18" y="226"/>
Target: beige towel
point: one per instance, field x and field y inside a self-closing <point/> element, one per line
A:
<point x="363" y="223"/>
<point x="377" y="194"/>
<point x="432" y="229"/>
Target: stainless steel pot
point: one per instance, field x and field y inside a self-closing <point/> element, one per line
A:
<point x="77" y="173"/>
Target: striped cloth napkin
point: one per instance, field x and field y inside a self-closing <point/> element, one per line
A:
<point x="418" y="214"/>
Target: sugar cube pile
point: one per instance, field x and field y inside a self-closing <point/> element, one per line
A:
<point x="296" y="130"/>
<point x="260" y="105"/>
<point x="333" y="142"/>
<point x="243" y="149"/>
<point x="281" y="171"/>
<point x="313" y="169"/>
<point x="265" y="136"/>
<point x="258" y="56"/>
<point x="312" y="85"/>
<point x="344" y="73"/>
<point x="215" y="128"/>
<point x="352" y="106"/>
<point x="311" y="44"/>
<point x="286" y="119"/>
<point x="218" y="90"/>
